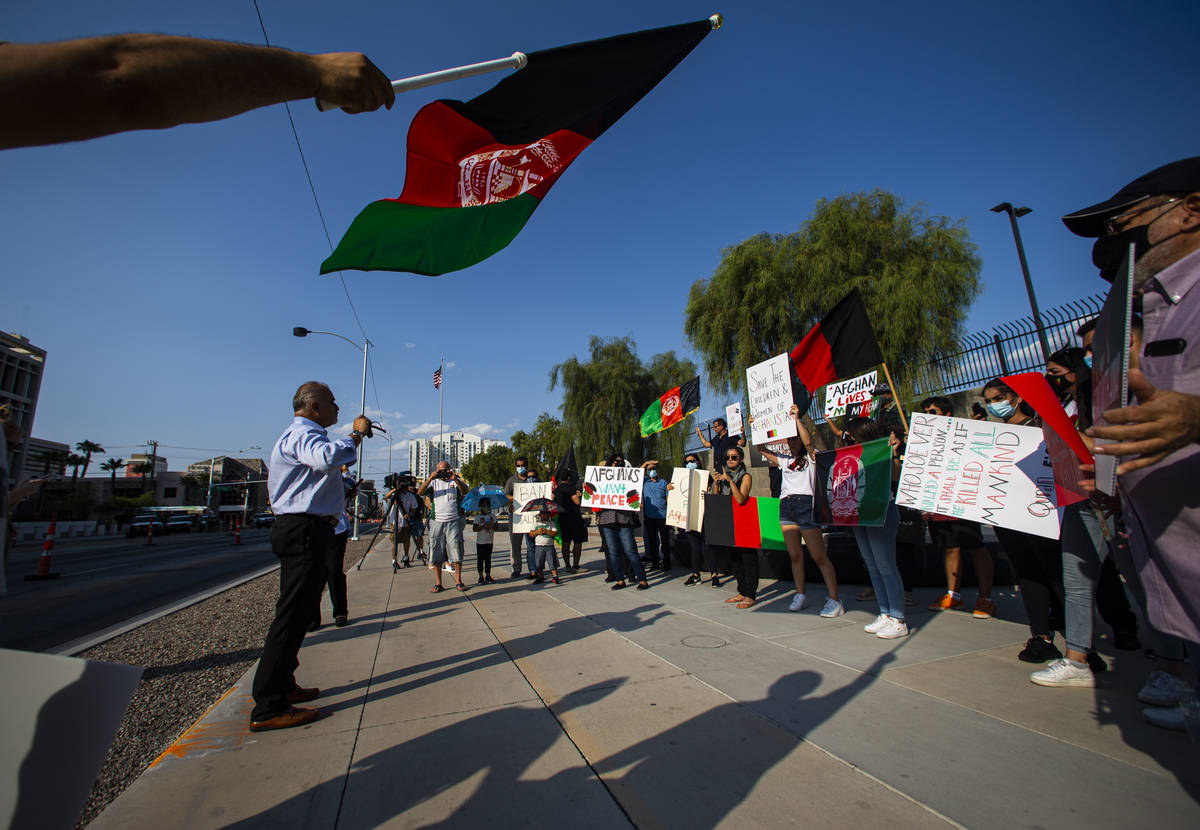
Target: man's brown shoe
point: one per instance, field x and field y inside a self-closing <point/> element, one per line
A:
<point x="292" y="717"/>
<point x="302" y="695"/>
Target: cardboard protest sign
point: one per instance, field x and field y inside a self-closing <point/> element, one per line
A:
<point x="523" y="494"/>
<point x="612" y="488"/>
<point x="769" y="387"/>
<point x="986" y="472"/>
<point x="1066" y="448"/>
<point x="685" y="502"/>
<point x="1110" y="365"/>
<point x="733" y="418"/>
<point x="850" y="397"/>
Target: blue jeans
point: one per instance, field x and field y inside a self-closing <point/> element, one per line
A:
<point x="621" y="546"/>
<point x="878" y="548"/>
<point x="1083" y="552"/>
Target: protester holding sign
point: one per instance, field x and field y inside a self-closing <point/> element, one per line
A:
<point x="689" y="542"/>
<point x="877" y="545"/>
<point x="797" y="517"/>
<point x="618" y="516"/>
<point x="724" y="440"/>
<point x="568" y="496"/>
<point x="732" y="479"/>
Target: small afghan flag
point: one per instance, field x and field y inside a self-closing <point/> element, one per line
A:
<point x="754" y="524"/>
<point x="477" y="170"/>
<point x="671" y="408"/>
<point x="841" y="345"/>
<point x="855" y="484"/>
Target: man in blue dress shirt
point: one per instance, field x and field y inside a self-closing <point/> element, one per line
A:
<point x="305" y="484"/>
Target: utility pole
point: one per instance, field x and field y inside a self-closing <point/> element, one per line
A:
<point x="153" y="465"/>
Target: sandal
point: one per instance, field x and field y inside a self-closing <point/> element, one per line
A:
<point x="736" y="598"/>
<point x="460" y="586"/>
<point x="747" y="603"/>
<point x="865" y="595"/>
<point x="437" y="589"/>
<point x="618" y="586"/>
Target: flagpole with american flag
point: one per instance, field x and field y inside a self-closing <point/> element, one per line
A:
<point x="437" y="384"/>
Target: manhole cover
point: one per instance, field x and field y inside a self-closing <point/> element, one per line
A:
<point x="704" y="641"/>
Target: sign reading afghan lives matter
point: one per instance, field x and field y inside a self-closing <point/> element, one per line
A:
<point x="522" y="495"/>
<point x="987" y="472"/>
<point x="612" y="488"/>
<point x="769" y="387"/>
<point x="853" y="395"/>
<point x="685" y="499"/>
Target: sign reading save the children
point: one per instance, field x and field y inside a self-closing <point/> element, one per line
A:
<point x="612" y="488"/>
<point x="769" y="387"/>
<point x="850" y="397"/>
<point x="992" y="473"/>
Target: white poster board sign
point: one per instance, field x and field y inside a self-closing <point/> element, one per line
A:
<point x="853" y="394"/>
<point x="769" y="387"/>
<point x="523" y="494"/>
<point x="685" y="510"/>
<point x="733" y="418"/>
<point x="612" y="488"/>
<point x="992" y="473"/>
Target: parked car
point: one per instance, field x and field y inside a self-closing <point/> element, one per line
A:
<point x="145" y="523"/>
<point x="263" y="519"/>
<point x="182" y="523"/>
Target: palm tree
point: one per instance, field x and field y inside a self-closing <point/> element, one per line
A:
<point x="75" y="461"/>
<point x="56" y="461"/>
<point x="142" y="470"/>
<point x="88" y="448"/>
<point x="112" y="465"/>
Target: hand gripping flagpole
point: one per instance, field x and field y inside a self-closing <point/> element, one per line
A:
<point x="517" y="60"/>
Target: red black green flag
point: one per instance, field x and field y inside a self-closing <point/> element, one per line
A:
<point x="478" y="169"/>
<point x="841" y="345"/>
<point x="854" y="484"/>
<point x="671" y="408"/>
<point x="754" y="524"/>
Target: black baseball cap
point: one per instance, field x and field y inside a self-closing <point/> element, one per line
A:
<point x="881" y="388"/>
<point x="1177" y="177"/>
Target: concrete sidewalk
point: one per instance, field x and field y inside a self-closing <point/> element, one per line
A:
<point x="518" y="706"/>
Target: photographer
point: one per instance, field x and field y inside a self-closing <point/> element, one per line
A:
<point x="443" y="489"/>
<point x="403" y="509"/>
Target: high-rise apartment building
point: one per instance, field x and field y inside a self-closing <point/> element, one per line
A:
<point x="21" y="367"/>
<point x="457" y="448"/>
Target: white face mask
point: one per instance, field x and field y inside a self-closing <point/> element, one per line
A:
<point x="691" y="465"/>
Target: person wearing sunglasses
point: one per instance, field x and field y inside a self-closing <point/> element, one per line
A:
<point x="732" y="479"/>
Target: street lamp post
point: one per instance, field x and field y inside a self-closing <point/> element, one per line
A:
<point x="1013" y="213"/>
<point x="300" y="331"/>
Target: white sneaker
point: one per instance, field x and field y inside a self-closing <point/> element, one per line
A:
<point x="879" y="623"/>
<point x="799" y="603"/>
<point x="1166" y="718"/>
<point x="1062" y="672"/>
<point x="833" y="608"/>
<point x="1163" y="689"/>
<point x="892" y="629"/>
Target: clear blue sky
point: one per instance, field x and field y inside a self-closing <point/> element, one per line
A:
<point x="164" y="271"/>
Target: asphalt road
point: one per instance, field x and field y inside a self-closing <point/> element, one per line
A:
<point x="107" y="582"/>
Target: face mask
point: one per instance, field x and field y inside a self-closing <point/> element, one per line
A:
<point x="691" y="465"/>
<point x="1109" y="252"/>
<point x="1001" y="409"/>
<point x="1059" y="384"/>
<point x="654" y="474"/>
<point x="520" y="471"/>
<point x="1087" y="360"/>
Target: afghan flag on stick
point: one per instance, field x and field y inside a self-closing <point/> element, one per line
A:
<point x="478" y="169"/>
<point x="671" y="408"/>
<point x="841" y="345"/>
<point x="754" y="524"/>
<point x="854" y="484"/>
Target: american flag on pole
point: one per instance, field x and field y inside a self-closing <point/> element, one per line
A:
<point x="437" y="378"/>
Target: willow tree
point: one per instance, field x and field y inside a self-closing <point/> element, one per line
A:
<point x="605" y="395"/>
<point x="918" y="275"/>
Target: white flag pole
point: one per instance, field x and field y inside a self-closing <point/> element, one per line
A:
<point x="515" y="61"/>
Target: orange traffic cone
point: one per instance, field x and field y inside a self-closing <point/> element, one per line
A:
<point x="150" y="533"/>
<point x="43" y="569"/>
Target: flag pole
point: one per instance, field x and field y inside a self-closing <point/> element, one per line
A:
<point x="516" y="60"/>
<point x="895" y="397"/>
<point x="441" y="399"/>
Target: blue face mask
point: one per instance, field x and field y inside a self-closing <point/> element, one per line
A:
<point x="1001" y="409"/>
<point x="520" y="471"/>
<point x="654" y="474"/>
<point x="1087" y="360"/>
<point x="691" y="465"/>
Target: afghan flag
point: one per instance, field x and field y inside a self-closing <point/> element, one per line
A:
<point x="478" y="169"/>
<point x="671" y="408"/>
<point x="754" y="524"/>
<point x="854" y="484"/>
<point x="841" y="345"/>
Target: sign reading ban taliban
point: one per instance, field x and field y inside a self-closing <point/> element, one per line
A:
<point x="991" y="473"/>
<point x="850" y="397"/>
<point x="612" y="488"/>
<point x="685" y="499"/>
<point x="769" y="386"/>
<point x="522" y="495"/>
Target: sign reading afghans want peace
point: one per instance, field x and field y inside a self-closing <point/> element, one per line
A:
<point x="769" y="387"/>
<point x="612" y="488"/>
<point x="991" y="473"/>
<point x="853" y="394"/>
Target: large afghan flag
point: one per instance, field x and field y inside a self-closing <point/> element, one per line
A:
<point x="854" y="484"/>
<point x="671" y="408"/>
<point x="478" y="169"/>
<point x="754" y="524"/>
<point x="841" y="345"/>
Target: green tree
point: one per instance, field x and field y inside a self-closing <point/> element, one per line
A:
<point x="918" y="275"/>
<point x="75" y="462"/>
<point x="88" y="448"/>
<point x="112" y="466"/>
<point x="141" y="470"/>
<point x="492" y="466"/>
<point x="55" y="461"/>
<point x="604" y="396"/>
<point x="543" y="446"/>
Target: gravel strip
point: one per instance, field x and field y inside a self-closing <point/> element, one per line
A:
<point x="191" y="658"/>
